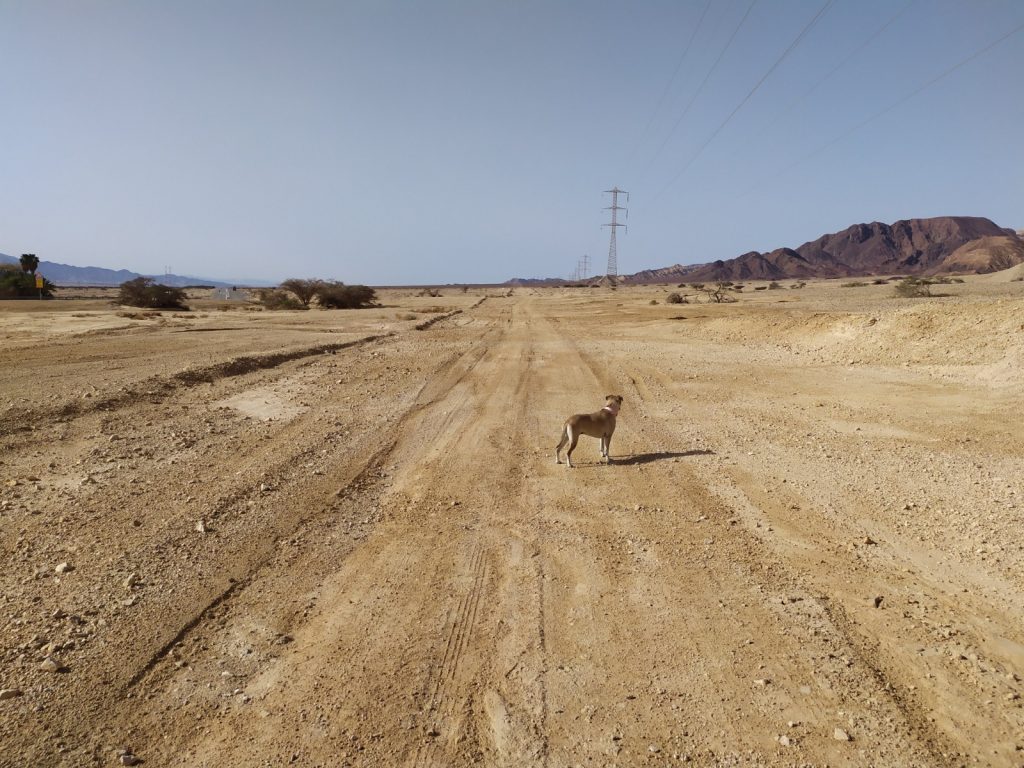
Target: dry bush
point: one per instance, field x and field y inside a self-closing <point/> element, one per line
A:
<point x="145" y="292"/>
<point x="304" y="290"/>
<point x="774" y="285"/>
<point x="653" y="301"/>
<point x="913" y="288"/>
<point x="675" y="298"/>
<point x="275" y="298"/>
<point x="760" y="287"/>
<point x="853" y="284"/>
<point x="797" y="286"/>
<point x="432" y="292"/>
<point x="880" y="281"/>
<point x="140" y="315"/>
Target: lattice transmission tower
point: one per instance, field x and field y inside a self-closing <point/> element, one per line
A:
<point x="613" y="258"/>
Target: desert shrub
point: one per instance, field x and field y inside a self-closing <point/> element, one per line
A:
<point x="760" y="287"/>
<point x="140" y="315"/>
<point x="853" y="284"/>
<point x="304" y="290"/>
<point x="774" y="285"/>
<point x="797" y="286"/>
<point x="880" y="281"/>
<point x="675" y="298"/>
<point x="17" y="284"/>
<point x="146" y="293"/>
<point x="913" y="288"/>
<point x="433" y="292"/>
<point x="653" y="301"/>
<point x="738" y="288"/>
<point x="333" y="295"/>
<point x="718" y="293"/>
<point x="696" y="286"/>
<point x="275" y="298"/>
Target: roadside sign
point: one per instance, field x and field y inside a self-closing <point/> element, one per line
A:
<point x="39" y="281"/>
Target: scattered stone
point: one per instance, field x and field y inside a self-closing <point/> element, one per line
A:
<point x="9" y="693"/>
<point x="761" y="682"/>
<point x="878" y="601"/>
<point x="784" y="741"/>
<point x="127" y="758"/>
<point x="64" y="568"/>
<point x="131" y="581"/>
<point x="201" y="526"/>
<point x="50" y="664"/>
<point x="868" y="541"/>
<point x="654" y="749"/>
<point x="840" y="735"/>
<point x="284" y="639"/>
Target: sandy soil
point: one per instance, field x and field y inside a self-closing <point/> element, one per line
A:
<point x="330" y="539"/>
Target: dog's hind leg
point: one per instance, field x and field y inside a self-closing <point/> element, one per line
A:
<point x="573" y="439"/>
<point x="607" y="443"/>
<point x="561" y="444"/>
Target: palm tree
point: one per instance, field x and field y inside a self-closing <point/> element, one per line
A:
<point x="29" y="262"/>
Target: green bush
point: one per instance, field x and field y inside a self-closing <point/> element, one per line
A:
<point x="17" y="284"/>
<point x="145" y="292"/>
<point x="333" y="295"/>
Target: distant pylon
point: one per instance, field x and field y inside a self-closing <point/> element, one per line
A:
<point x="586" y="267"/>
<point x="613" y="258"/>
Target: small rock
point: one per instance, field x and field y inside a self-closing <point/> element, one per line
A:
<point x="50" y="664"/>
<point x="761" y="682"/>
<point x="9" y="693"/>
<point x="201" y="526"/>
<point x="64" y="568"/>
<point x="284" y="639"/>
<point x="878" y="602"/>
<point x="131" y="581"/>
<point x="840" y="735"/>
<point x="868" y="541"/>
<point x="654" y="749"/>
<point x="127" y="758"/>
<point x="784" y="741"/>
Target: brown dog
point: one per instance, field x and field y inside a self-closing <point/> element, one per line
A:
<point x="600" y="424"/>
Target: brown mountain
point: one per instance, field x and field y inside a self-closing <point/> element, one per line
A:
<point x="913" y="246"/>
<point x="986" y="254"/>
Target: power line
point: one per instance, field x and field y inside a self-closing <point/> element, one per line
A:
<point x="670" y="83"/>
<point x="899" y="102"/>
<point x="700" y="88"/>
<point x="803" y="33"/>
<point x="849" y="57"/>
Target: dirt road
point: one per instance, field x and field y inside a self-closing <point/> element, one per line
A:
<point x="366" y="554"/>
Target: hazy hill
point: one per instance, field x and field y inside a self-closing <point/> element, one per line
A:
<point x="66" y="274"/>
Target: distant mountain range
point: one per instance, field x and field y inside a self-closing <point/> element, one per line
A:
<point x="66" y="274"/>
<point x="912" y="247"/>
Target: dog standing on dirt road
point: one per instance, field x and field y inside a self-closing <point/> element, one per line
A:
<point x="600" y="424"/>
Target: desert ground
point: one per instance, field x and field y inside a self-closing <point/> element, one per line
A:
<point x="340" y="538"/>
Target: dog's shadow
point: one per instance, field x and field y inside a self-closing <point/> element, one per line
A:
<point x="647" y="458"/>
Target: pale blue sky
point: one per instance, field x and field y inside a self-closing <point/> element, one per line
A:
<point x="433" y="142"/>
